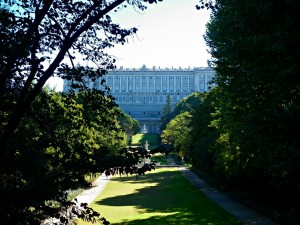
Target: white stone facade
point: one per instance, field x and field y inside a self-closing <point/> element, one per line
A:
<point x="142" y="93"/>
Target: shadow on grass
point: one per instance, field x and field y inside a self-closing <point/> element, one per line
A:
<point x="177" y="219"/>
<point x="169" y="199"/>
<point x="152" y="138"/>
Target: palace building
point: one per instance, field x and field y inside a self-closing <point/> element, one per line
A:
<point x="142" y="93"/>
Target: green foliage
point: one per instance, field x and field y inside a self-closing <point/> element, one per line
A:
<point x="204" y="133"/>
<point x="177" y="133"/>
<point x="129" y="125"/>
<point x="56" y="144"/>
<point x="259" y="96"/>
<point x="188" y="104"/>
<point x="180" y="119"/>
<point x="56" y="147"/>
<point x="245" y="131"/>
<point x="166" y="113"/>
<point x="247" y="128"/>
<point x="49" y="141"/>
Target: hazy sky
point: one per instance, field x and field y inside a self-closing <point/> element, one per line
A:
<point x="170" y="34"/>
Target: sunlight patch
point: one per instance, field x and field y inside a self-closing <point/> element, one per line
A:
<point x="144" y="215"/>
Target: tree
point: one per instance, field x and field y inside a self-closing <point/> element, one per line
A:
<point x="166" y="113"/>
<point x="129" y="125"/>
<point x="48" y="142"/>
<point x="204" y="133"/>
<point x="253" y="53"/>
<point x="41" y="36"/>
<point x="208" y="4"/>
<point x="57" y="144"/>
<point x="177" y="133"/>
<point x="188" y="104"/>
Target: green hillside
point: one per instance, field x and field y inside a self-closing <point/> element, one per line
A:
<point x="140" y="139"/>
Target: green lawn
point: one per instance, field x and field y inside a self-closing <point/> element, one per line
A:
<point x="163" y="197"/>
<point x="140" y="139"/>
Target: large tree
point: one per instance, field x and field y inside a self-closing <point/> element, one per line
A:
<point x="178" y="126"/>
<point x="37" y="37"/>
<point x="54" y="139"/>
<point x="57" y="143"/>
<point x="129" y="125"/>
<point x="177" y="134"/>
<point x="204" y="133"/>
<point x="187" y="104"/>
<point x="255" y="50"/>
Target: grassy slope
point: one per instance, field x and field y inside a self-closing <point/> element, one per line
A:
<point x="141" y="139"/>
<point x="163" y="197"/>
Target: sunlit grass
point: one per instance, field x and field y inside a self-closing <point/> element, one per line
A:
<point x="161" y="197"/>
<point x="141" y="139"/>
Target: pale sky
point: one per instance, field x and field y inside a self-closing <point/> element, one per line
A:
<point x="170" y="34"/>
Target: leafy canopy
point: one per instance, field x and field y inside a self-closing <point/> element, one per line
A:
<point x="48" y="141"/>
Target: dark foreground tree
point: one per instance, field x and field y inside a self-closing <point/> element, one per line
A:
<point x="39" y="35"/>
<point x="59" y="142"/>
<point x="255" y="50"/>
<point x="46" y="141"/>
<point x="204" y="133"/>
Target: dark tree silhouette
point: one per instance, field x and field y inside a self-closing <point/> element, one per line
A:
<point x="40" y="39"/>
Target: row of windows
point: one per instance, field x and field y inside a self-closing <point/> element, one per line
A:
<point x="157" y="88"/>
<point x="156" y="91"/>
<point x="147" y="99"/>
<point x="163" y="84"/>
<point x="145" y="77"/>
<point x="164" y="87"/>
<point x="154" y="84"/>
<point x="145" y="113"/>
<point x="149" y="83"/>
<point x="158" y="81"/>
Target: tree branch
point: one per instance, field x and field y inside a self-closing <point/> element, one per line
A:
<point x="22" y="106"/>
<point x="95" y="18"/>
